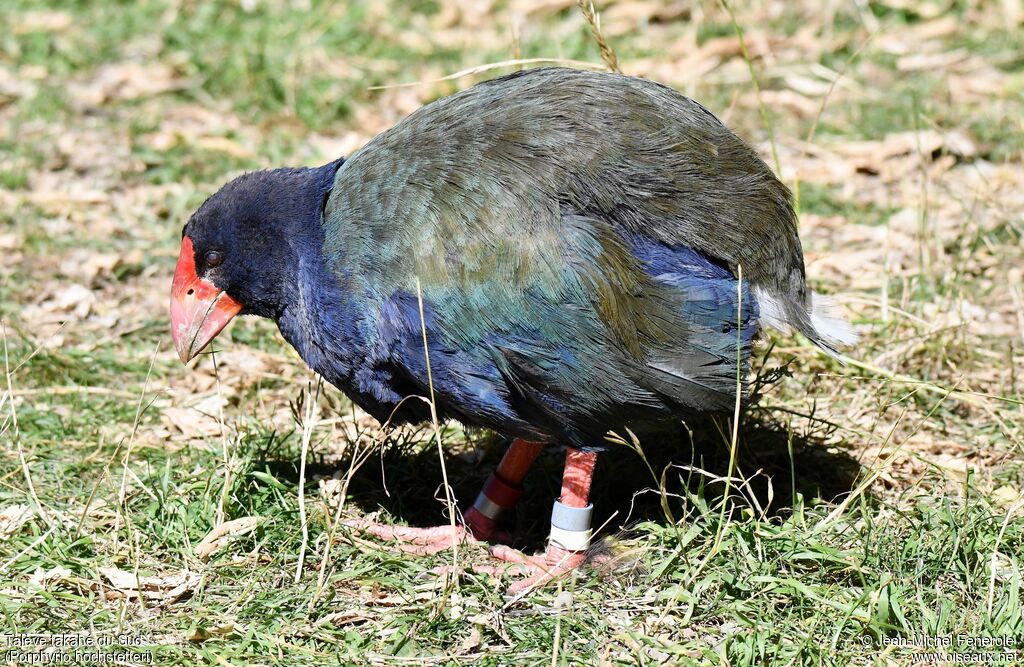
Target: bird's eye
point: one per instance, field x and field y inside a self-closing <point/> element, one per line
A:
<point x="213" y="258"/>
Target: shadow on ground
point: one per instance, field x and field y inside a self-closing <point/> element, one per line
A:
<point x="406" y="481"/>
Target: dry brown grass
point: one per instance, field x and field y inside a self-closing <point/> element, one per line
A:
<point x="898" y="123"/>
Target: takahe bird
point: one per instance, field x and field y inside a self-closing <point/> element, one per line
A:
<point x="576" y="240"/>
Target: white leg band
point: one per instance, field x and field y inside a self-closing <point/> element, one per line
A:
<point x="570" y="540"/>
<point x="571" y="518"/>
<point x="570" y="526"/>
<point x="487" y="507"/>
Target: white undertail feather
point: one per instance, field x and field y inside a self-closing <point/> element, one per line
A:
<point x="770" y="311"/>
<point x="829" y="330"/>
<point x="828" y="323"/>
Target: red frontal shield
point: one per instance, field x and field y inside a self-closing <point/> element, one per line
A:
<point x="199" y="309"/>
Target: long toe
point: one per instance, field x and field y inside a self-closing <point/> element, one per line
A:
<point x="417" y="541"/>
<point x="537" y="571"/>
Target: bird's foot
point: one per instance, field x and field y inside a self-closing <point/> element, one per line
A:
<point x="539" y="570"/>
<point x="417" y="541"/>
<point x="536" y="571"/>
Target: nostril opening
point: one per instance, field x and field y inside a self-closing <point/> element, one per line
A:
<point x="191" y="292"/>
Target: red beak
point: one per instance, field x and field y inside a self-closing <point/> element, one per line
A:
<point x="199" y="309"/>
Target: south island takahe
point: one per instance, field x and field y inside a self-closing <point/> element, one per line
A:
<point x="576" y="239"/>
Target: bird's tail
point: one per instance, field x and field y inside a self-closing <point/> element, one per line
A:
<point x="817" y="319"/>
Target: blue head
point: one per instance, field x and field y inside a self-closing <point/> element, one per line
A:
<point x="241" y="252"/>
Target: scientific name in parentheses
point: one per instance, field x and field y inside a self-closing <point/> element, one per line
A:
<point x="921" y="640"/>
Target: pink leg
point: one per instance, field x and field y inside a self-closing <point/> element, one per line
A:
<point x="557" y="561"/>
<point x="500" y="492"/>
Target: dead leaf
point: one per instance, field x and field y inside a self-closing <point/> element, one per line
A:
<point x="1006" y="495"/>
<point x="125" y="81"/>
<point x="12" y="518"/>
<point x="331" y="489"/>
<point x="199" y="420"/>
<point x="543" y="7"/>
<point x="623" y="18"/>
<point x="42" y="577"/>
<point x="940" y="27"/>
<point x="563" y="600"/>
<point x="917" y="62"/>
<point x="224" y="145"/>
<point x="90" y="266"/>
<point x="949" y="463"/>
<point x="217" y="538"/>
<point x="167" y="588"/>
<point x="13" y="87"/>
<point x="103" y="154"/>
<point x="201" y="634"/>
<point x="806" y="85"/>
<point x="11" y="241"/>
<point x="244" y="361"/>
<point x="72" y="301"/>
<point x="900" y="153"/>
<point x="801" y="104"/>
<point x="472" y="641"/>
<point x="1013" y="12"/>
<point x="41" y="21"/>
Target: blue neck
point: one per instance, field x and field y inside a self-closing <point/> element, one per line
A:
<point x="320" y="319"/>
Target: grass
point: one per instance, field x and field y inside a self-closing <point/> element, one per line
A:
<point x="871" y="504"/>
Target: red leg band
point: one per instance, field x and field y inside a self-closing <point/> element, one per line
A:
<point x="503" y="487"/>
<point x="501" y="493"/>
<point x="496" y="496"/>
<point x="480" y="526"/>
